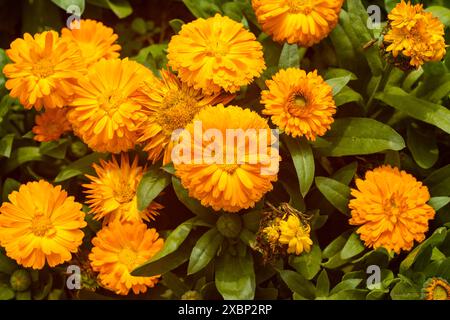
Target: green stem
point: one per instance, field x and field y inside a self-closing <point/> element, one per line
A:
<point x="381" y="84"/>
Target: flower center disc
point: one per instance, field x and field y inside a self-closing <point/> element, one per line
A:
<point x="43" y="68"/>
<point x="299" y="6"/>
<point x="178" y="109"/>
<point x="124" y="193"/>
<point x="129" y="258"/>
<point x="41" y="225"/>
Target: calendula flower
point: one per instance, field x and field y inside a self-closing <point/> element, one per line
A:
<point x="40" y="224"/>
<point x="297" y="21"/>
<point x="299" y="103"/>
<point x="51" y="125"/>
<point x="43" y="70"/>
<point x="215" y="53"/>
<point x="118" y="249"/>
<point x="112" y="194"/>
<point x="390" y="206"/>
<point x="103" y="114"/>
<point x="231" y="174"/>
<point x="414" y="36"/>
<point x="169" y="105"/>
<point x="436" y="289"/>
<point x="283" y="230"/>
<point x="95" y="40"/>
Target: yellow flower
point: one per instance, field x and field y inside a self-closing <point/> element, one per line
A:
<point x="305" y="22"/>
<point x="390" y="205"/>
<point x="272" y="233"/>
<point x="112" y="193"/>
<point x="118" y="249"/>
<point x="43" y="70"/>
<point x="94" y="39"/>
<point x="301" y="104"/>
<point x="436" y="289"/>
<point x="216" y="53"/>
<point x="414" y="35"/>
<point x="51" y="125"/>
<point x="169" y="105"/>
<point x="295" y="235"/>
<point x="41" y="224"/>
<point x="242" y="179"/>
<point x="103" y="114"/>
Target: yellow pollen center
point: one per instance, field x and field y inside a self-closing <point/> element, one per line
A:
<point x="229" y="168"/>
<point x="41" y="225"/>
<point x="216" y="49"/>
<point x="111" y="101"/>
<point x="43" y="68"/>
<point x="394" y="207"/>
<point x="178" y="109"/>
<point x="440" y="293"/>
<point x="298" y="105"/>
<point x="124" y="193"/>
<point x="299" y="6"/>
<point x="129" y="258"/>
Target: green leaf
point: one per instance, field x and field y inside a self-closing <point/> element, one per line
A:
<point x="171" y="281"/>
<point x="337" y="193"/>
<point x="338" y="83"/>
<point x="176" y="24"/>
<point x="323" y="284"/>
<point x="352" y="247"/>
<point x="298" y="284"/>
<point x="6" y="145"/>
<point x="336" y="245"/>
<point x="303" y="159"/>
<point x="9" y="186"/>
<point x="139" y="26"/>
<point x="6" y="293"/>
<point x="65" y="4"/>
<point x="204" y="250"/>
<point x="358" y="136"/>
<point x="121" y="8"/>
<point x="290" y="57"/>
<point x="192" y="204"/>
<point x="235" y="276"/>
<point x="345" y="285"/>
<point x="347" y="95"/>
<point x="45" y="285"/>
<point x="202" y="8"/>
<point x="438" y="182"/>
<point x="351" y="294"/>
<point x="345" y="174"/>
<point x="439" y="202"/>
<point x="152" y="183"/>
<point x="7" y="265"/>
<point x="166" y="263"/>
<point x="55" y="149"/>
<point x="233" y="11"/>
<point x="416" y="108"/>
<point x="405" y="291"/>
<point x="308" y="263"/>
<point x="20" y="156"/>
<point x="435" y="239"/>
<point x="175" y="239"/>
<point x="79" y="167"/>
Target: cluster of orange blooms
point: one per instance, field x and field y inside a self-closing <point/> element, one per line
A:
<point x="113" y="104"/>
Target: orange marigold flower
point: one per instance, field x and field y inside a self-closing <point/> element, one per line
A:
<point x="40" y="224"/>
<point x="231" y="175"/>
<point x="118" y="249"/>
<point x="94" y="39"/>
<point x="216" y="53"/>
<point x="103" y="113"/>
<point x="436" y="289"/>
<point x="301" y="104"/>
<point x="390" y="207"/>
<point x="51" y="125"/>
<point x="298" y="21"/>
<point x="43" y="70"/>
<point x="169" y="105"/>
<point x="112" y="193"/>
<point x="414" y="35"/>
